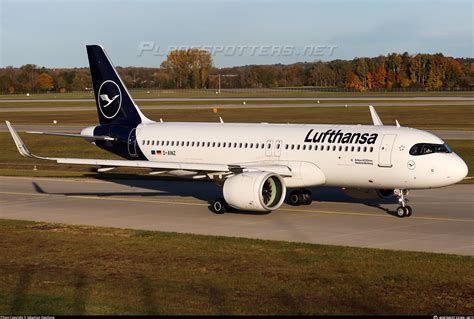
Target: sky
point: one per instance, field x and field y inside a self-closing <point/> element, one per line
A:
<point x="237" y="32"/>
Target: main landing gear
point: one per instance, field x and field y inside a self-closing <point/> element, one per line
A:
<point x="403" y="210"/>
<point x="301" y="197"/>
<point x="219" y="206"/>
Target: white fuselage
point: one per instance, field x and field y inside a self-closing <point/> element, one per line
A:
<point x="353" y="156"/>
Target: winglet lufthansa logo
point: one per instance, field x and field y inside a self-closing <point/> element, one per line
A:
<point x="109" y="99"/>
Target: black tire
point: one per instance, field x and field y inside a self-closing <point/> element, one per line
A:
<point x="295" y="198"/>
<point x="409" y="211"/>
<point x="401" y="211"/>
<point x="219" y="206"/>
<point x="307" y="197"/>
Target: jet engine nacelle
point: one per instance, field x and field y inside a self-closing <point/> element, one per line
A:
<point x="367" y="193"/>
<point x="257" y="191"/>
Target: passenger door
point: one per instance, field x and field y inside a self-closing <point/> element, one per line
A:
<point x="132" y="144"/>
<point x="385" y="151"/>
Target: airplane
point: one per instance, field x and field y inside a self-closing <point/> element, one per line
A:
<point x="255" y="163"/>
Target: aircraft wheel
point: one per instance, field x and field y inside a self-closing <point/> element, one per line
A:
<point x="296" y="198"/>
<point x="219" y="206"/>
<point x="401" y="211"/>
<point x="307" y="197"/>
<point x="408" y="210"/>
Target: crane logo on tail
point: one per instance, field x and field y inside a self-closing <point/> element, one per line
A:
<point x="109" y="99"/>
<point x="105" y="97"/>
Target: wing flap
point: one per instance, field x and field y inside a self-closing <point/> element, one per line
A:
<point x="144" y="164"/>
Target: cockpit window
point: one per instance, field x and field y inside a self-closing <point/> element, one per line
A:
<point x="426" y="148"/>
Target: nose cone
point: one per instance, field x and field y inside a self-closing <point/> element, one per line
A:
<point x="457" y="170"/>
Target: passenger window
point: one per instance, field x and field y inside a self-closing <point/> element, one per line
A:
<point x="328" y="148"/>
<point x="143" y="142"/>
<point x="334" y="148"/>
<point x="347" y="148"/>
<point x="167" y="143"/>
<point x="371" y="149"/>
<point x="292" y="146"/>
<point x="304" y="147"/>
<point x="315" y="147"/>
<point x="310" y="147"/>
<point x="340" y="148"/>
<point x="286" y="146"/>
<point x="148" y="142"/>
<point x="251" y="145"/>
<point x="365" y="149"/>
<point x="352" y="149"/>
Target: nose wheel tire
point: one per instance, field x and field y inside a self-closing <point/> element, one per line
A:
<point x="404" y="211"/>
<point x="219" y="206"/>
<point x="409" y="211"/>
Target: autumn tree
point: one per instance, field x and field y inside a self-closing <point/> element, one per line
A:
<point x="379" y="77"/>
<point x="353" y="82"/>
<point x="45" y="82"/>
<point x="189" y="68"/>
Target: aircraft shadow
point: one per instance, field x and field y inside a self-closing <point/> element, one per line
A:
<point x="208" y="191"/>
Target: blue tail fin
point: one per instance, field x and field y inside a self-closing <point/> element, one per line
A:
<point x="114" y="103"/>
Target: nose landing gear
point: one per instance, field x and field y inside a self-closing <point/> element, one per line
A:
<point x="403" y="210"/>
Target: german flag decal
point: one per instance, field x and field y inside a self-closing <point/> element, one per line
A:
<point x="155" y="152"/>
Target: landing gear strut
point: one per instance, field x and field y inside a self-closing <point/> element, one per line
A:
<point x="301" y="197"/>
<point x="403" y="210"/>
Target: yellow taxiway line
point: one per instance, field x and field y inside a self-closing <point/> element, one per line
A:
<point x="202" y="204"/>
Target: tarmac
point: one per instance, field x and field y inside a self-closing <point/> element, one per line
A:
<point x="442" y="221"/>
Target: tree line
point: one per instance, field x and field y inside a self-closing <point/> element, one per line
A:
<point x="193" y="68"/>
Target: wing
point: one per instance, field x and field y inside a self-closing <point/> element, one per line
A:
<point x="207" y="170"/>
<point x="89" y="137"/>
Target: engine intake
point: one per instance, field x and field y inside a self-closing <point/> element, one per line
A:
<point x="257" y="191"/>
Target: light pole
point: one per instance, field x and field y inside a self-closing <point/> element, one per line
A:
<point x="223" y="75"/>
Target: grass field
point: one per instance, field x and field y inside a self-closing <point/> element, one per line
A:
<point x="424" y="117"/>
<point x="233" y="93"/>
<point x="59" y="269"/>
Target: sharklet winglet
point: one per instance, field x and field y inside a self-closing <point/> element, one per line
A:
<point x="375" y="117"/>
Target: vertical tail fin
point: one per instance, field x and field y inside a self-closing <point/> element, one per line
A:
<point x="114" y="103"/>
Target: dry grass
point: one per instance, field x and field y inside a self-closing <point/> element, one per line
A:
<point x="59" y="269"/>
